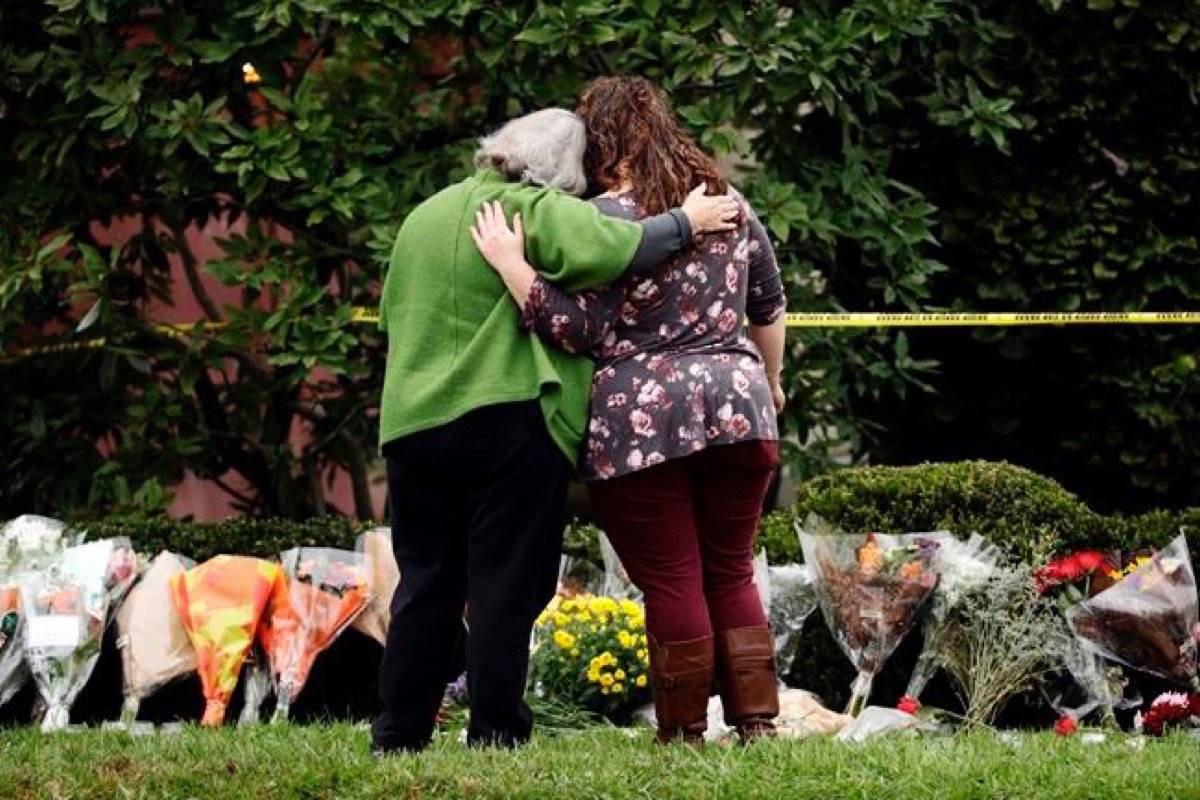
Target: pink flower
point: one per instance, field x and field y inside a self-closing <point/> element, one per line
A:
<point x="617" y="400"/>
<point x="728" y="321"/>
<point x="731" y="277"/>
<point x="643" y="423"/>
<point x="651" y="393"/>
<point x="634" y="459"/>
<point x="741" y="383"/>
<point x="655" y="458"/>
<point x="908" y="705"/>
<point x="738" y="425"/>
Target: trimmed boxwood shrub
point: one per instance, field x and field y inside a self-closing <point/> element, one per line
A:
<point x="244" y="536"/>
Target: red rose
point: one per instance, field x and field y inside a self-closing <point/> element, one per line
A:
<point x="1070" y="567"/>
<point x="907" y="704"/>
<point x="1091" y="560"/>
<point x="1066" y="725"/>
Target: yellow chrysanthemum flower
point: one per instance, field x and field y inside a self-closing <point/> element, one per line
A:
<point x="625" y="639"/>
<point x="564" y="640"/>
<point x="604" y="690"/>
<point x="607" y="680"/>
<point x="620" y="674"/>
<point x="561" y="619"/>
<point x="641" y="681"/>
<point x="631" y="608"/>
<point x="618" y="688"/>
<point x="574" y="652"/>
<point x="642" y="655"/>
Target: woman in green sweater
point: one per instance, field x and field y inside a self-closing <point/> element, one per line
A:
<point x="480" y="423"/>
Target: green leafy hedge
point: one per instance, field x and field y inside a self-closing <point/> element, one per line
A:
<point x="246" y="536"/>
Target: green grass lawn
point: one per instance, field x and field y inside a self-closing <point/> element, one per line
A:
<point x="328" y="761"/>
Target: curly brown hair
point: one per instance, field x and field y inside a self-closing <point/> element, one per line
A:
<point x="629" y="122"/>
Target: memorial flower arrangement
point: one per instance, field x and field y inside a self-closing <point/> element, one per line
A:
<point x="66" y="607"/>
<point x="220" y="604"/>
<point x="1170" y="708"/>
<point x="963" y="567"/>
<point x="869" y="588"/>
<point x="1148" y="619"/>
<point x="326" y="589"/>
<point x="592" y="651"/>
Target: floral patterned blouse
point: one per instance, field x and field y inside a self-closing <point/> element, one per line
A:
<point x="675" y="372"/>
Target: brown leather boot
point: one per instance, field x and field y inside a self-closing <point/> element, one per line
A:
<point x="681" y="675"/>
<point x="746" y="675"/>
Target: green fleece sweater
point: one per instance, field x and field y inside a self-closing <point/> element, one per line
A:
<point x="454" y="343"/>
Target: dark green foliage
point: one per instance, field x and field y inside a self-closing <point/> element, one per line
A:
<point x="246" y="536"/>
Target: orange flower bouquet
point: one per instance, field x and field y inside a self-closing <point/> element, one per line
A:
<point x="220" y="604"/>
<point x="869" y="588"/>
<point x="326" y="589"/>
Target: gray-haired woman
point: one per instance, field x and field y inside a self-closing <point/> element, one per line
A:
<point x="481" y="423"/>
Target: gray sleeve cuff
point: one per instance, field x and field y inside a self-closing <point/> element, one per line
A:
<point x="663" y="235"/>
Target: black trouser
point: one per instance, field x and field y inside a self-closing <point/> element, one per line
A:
<point x="478" y="508"/>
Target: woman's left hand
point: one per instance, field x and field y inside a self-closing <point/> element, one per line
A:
<point x="500" y="246"/>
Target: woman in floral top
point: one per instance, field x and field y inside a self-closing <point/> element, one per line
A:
<point x="682" y="439"/>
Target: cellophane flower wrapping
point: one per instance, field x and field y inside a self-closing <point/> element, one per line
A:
<point x="792" y="597"/>
<point x="376" y="547"/>
<point x="326" y="589"/>
<point x="869" y="588"/>
<point x="617" y="583"/>
<point x="962" y="567"/>
<point x="1100" y="685"/>
<point x="66" y="607"/>
<point x="154" y="646"/>
<point x="256" y="686"/>
<point x="27" y="543"/>
<point x="1147" y="620"/>
<point x="220" y="604"/>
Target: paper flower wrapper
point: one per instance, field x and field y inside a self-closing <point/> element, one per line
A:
<point x="154" y="645"/>
<point x="1147" y="620"/>
<point x="869" y="588"/>
<point x="376" y="547"/>
<point x="220" y="604"/>
<point x="66" y="608"/>
<point x="962" y="568"/>
<point x="326" y="590"/>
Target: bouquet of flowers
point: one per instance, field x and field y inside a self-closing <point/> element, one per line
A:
<point x="869" y="587"/>
<point x="66" y="608"/>
<point x="591" y="652"/>
<point x="326" y="590"/>
<point x="376" y="548"/>
<point x="154" y="645"/>
<point x="1068" y="581"/>
<point x="27" y="543"/>
<point x="1148" y="619"/>
<point x="791" y="598"/>
<point x="962" y="567"/>
<point x="1168" y="709"/>
<point x="220" y="604"/>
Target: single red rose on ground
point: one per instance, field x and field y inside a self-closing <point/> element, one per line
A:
<point x="1066" y="725"/>
<point x="909" y="705"/>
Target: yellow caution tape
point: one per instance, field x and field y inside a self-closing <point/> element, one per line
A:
<point x="887" y="319"/>
<point x="957" y="319"/>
